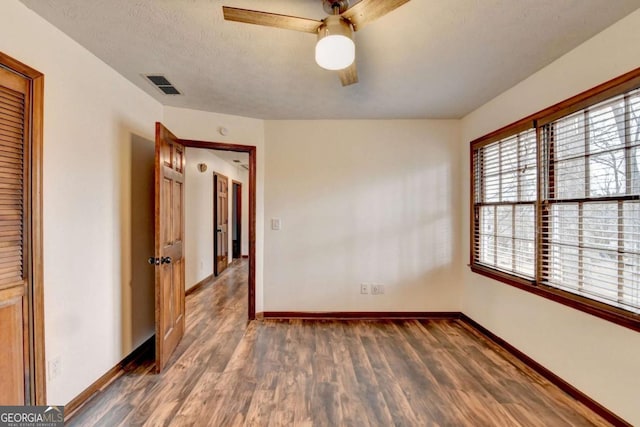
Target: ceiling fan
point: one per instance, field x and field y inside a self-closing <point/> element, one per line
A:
<point x="335" y="49"/>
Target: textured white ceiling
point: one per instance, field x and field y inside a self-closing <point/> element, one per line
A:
<point x="230" y="156"/>
<point x="427" y="59"/>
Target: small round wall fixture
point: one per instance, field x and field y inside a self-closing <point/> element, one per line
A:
<point x="202" y="167"/>
<point x="223" y="131"/>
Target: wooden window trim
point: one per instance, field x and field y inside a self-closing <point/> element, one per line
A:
<point x="611" y="88"/>
<point x="591" y="96"/>
<point x="603" y="311"/>
<point x="36" y="332"/>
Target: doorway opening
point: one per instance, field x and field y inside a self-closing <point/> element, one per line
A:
<point x="236" y="219"/>
<point x="250" y="207"/>
<point x="250" y="210"/>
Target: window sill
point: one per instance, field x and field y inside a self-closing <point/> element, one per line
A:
<point x="603" y="311"/>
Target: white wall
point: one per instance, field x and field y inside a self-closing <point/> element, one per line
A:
<point x="362" y="201"/>
<point x="598" y="357"/>
<point x="199" y="230"/>
<point x="91" y="116"/>
<point x="203" y="126"/>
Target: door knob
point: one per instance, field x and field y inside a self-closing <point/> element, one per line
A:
<point x="153" y="260"/>
<point x="165" y="260"/>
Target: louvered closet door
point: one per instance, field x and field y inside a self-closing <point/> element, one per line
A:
<point x="14" y="372"/>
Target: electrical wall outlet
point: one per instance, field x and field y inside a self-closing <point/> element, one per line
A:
<point x="377" y="289"/>
<point x="364" y="288"/>
<point x="54" y="368"/>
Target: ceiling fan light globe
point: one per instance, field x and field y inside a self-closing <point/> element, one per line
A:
<point x="335" y="52"/>
<point x="335" y="49"/>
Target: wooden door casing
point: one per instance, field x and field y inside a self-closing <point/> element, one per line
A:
<point x="221" y="222"/>
<point x="169" y="244"/>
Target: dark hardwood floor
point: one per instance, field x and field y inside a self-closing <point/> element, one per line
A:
<point x="227" y="371"/>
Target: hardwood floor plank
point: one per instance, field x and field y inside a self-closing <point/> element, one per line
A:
<point x="200" y="401"/>
<point x="133" y="385"/>
<point x="375" y="406"/>
<point x="262" y="405"/>
<point x="399" y="407"/>
<point x="422" y="392"/>
<point x="230" y="372"/>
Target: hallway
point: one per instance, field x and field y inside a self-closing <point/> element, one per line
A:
<point x="327" y="373"/>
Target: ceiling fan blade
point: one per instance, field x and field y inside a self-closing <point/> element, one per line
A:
<point x="367" y="11"/>
<point x="349" y="75"/>
<point x="271" y="19"/>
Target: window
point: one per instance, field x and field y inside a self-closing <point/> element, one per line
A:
<point x="591" y="213"/>
<point x="556" y="202"/>
<point x="504" y="208"/>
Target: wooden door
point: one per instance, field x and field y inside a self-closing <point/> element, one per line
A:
<point x="14" y="229"/>
<point x="169" y="246"/>
<point x="221" y="222"/>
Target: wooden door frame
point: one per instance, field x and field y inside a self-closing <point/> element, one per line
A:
<point x="33" y="221"/>
<point x="251" y="150"/>
<point x="238" y="214"/>
<point x="215" y="221"/>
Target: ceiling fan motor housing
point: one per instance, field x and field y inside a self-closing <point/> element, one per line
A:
<point x="335" y="25"/>
<point x="330" y="6"/>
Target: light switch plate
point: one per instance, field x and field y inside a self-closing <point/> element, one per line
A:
<point x="276" y="224"/>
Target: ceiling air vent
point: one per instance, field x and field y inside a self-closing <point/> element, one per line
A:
<point x="163" y="84"/>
